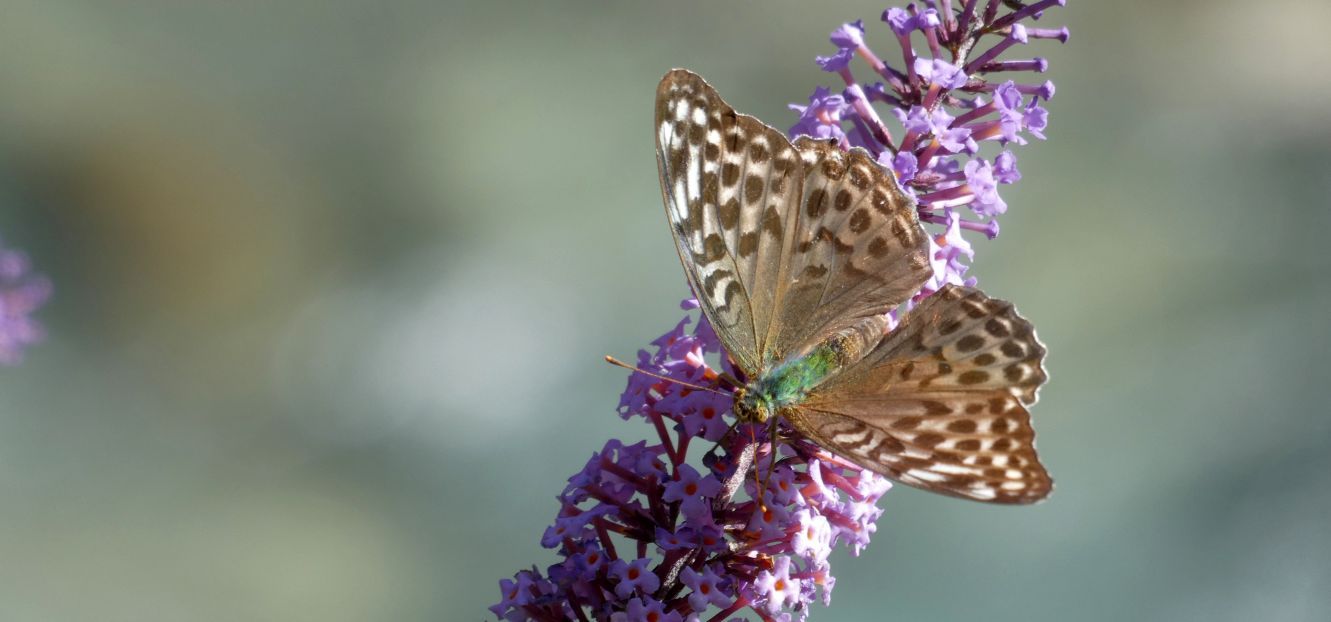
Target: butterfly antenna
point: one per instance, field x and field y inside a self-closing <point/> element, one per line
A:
<point x="771" y="466"/>
<point x="614" y="361"/>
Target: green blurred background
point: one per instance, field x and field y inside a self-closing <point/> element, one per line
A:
<point x="332" y="290"/>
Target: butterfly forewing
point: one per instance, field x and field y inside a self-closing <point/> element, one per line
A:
<point x="859" y="249"/>
<point x="730" y="184"/>
<point x="782" y="243"/>
<point x="941" y="402"/>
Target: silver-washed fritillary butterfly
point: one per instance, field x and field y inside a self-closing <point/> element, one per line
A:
<point x="796" y="253"/>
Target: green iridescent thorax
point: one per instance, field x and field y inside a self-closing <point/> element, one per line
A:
<point x="789" y="381"/>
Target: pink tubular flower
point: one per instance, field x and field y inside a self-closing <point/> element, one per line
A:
<point x="946" y="105"/>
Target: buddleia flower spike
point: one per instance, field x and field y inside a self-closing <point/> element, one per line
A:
<point x="828" y="268"/>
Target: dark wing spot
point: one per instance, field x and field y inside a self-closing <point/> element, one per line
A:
<point x="1014" y="372"/>
<point x="748" y="244"/>
<point x="841" y="247"/>
<point x="878" y="248"/>
<point x="733" y="290"/>
<point x="772" y="222"/>
<point x="881" y="201"/>
<point x="709" y="283"/>
<point x="753" y="189"/>
<point x="888" y="445"/>
<point x="729" y="214"/>
<point x="928" y="439"/>
<point x="996" y="327"/>
<point x="758" y="153"/>
<point x="859" y="221"/>
<point x="970" y="343"/>
<point x="985" y="359"/>
<point x="678" y="159"/>
<point x="906" y="370"/>
<point x="936" y="408"/>
<point x="974" y="376"/>
<point x="817" y="203"/>
<point x="713" y="249"/>
<point x="899" y="230"/>
<point x="906" y="423"/>
<point x="833" y="169"/>
<point x="843" y="200"/>
<point x="813" y="272"/>
<point x="1013" y="349"/>
<point x="859" y="177"/>
<point x="962" y="426"/>
<point x="968" y="445"/>
<point x="729" y="174"/>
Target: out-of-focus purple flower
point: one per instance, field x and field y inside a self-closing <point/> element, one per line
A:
<point x="903" y="163"/>
<point x="980" y="180"/>
<point x="939" y="72"/>
<point x="838" y="61"/>
<point x="850" y="35"/>
<point x="945" y="97"/>
<point x="1005" y="168"/>
<point x="22" y="292"/>
<point x="901" y="21"/>
<point x="822" y="117"/>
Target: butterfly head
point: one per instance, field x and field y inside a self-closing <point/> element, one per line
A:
<point x="751" y="406"/>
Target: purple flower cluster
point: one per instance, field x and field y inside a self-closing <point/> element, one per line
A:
<point x="21" y="293"/>
<point x="645" y="536"/>
<point x="949" y="99"/>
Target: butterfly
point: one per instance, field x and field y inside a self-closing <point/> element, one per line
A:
<point x="796" y="252"/>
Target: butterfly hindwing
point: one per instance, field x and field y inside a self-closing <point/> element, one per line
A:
<point x="940" y="403"/>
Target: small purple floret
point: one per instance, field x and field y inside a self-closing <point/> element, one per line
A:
<point x="944" y="97"/>
<point x="22" y="292"/>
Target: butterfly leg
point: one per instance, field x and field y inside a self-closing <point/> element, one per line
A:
<point x="774" y="432"/>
